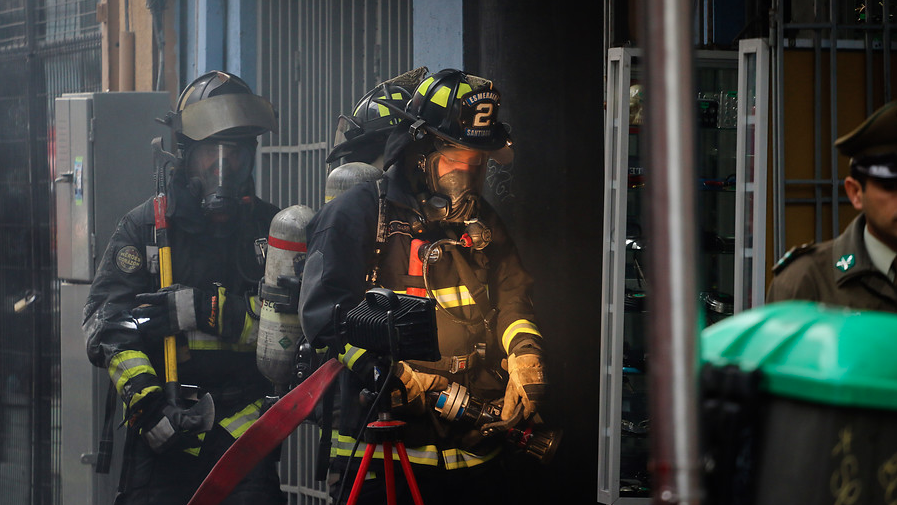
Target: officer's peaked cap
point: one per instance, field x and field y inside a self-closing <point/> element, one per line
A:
<point x="872" y="146"/>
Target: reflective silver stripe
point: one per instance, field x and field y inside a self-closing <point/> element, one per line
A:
<point x="518" y="326"/>
<point x="126" y="365"/>
<point x="456" y="458"/>
<point x="185" y="310"/>
<point x="424" y="455"/>
<point x="238" y="423"/>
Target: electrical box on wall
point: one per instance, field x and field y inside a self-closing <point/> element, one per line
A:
<point x="104" y="168"/>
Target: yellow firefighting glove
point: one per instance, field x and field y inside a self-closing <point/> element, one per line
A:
<point x="416" y="385"/>
<point x="526" y="384"/>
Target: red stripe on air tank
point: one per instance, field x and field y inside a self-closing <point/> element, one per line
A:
<point x="286" y="245"/>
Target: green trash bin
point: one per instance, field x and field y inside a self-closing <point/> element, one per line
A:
<point x="799" y="404"/>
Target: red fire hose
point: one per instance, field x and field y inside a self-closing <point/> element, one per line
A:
<point x="272" y="428"/>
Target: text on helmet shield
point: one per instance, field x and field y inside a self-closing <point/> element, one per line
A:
<point x="479" y="111"/>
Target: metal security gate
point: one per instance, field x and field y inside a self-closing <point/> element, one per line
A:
<point x="47" y="47"/>
<point x="842" y="51"/>
<point x="316" y="59"/>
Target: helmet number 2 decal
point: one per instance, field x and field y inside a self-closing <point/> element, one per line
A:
<point x="483" y="116"/>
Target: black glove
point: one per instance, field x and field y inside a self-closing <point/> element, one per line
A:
<point x="178" y="308"/>
<point x="164" y="426"/>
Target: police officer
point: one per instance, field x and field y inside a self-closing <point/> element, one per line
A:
<point x="214" y="222"/>
<point x="361" y="137"/>
<point x="855" y="269"/>
<point x="370" y="236"/>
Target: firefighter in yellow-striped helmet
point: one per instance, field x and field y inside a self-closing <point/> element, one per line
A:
<point x="361" y="136"/>
<point x="452" y="118"/>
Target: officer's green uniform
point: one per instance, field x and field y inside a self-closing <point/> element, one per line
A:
<point x="837" y="272"/>
<point x="840" y="271"/>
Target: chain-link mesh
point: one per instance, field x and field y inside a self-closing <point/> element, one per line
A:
<point x="47" y="48"/>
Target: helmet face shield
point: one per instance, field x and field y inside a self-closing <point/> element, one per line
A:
<point x="365" y="131"/>
<point x="234" y="115"/>
<point x="218" y="172"/>
<point x="347" y="128"/>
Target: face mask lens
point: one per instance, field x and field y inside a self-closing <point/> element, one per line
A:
<point x="455" y="183"/>
<point x="461" y="156"/>
<point x="219" y="170"/>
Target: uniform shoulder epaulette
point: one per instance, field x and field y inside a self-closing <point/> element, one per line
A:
<point x="791" y="255"/>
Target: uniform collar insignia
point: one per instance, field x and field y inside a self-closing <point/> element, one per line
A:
<point x="845" y="263"/>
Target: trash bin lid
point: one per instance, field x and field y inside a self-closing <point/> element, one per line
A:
<point x="812" y="352"/>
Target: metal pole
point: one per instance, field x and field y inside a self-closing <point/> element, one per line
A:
<point x="671" y="148"/>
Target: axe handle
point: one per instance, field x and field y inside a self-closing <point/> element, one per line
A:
<point x="160" y="205"/>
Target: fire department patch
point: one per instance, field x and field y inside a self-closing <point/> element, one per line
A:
<point x="398" y="228"/>
<point x="128" y="259"/>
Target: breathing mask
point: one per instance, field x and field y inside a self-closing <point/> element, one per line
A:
<point x="455" y="175"/>
<point x="218" y="174"/>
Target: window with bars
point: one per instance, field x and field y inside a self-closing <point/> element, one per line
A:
<point x="51" y="21"/>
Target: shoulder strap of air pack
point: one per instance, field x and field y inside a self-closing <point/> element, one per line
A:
<point x="382" y="225"/>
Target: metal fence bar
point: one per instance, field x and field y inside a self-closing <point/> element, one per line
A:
<point x="47" y="47"/>
<point x="845" y="32"/>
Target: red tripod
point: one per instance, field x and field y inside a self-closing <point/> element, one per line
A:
<point x="386" y="432"/>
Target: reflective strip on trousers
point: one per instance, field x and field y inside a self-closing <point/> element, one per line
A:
<point x="126" y="365"/>
<point x="238" y="423"/>
<point x="202" y="341"/>
<point x="424" y="455"/>
<point x="457" y="458"/>
<point x="515" y="328"/>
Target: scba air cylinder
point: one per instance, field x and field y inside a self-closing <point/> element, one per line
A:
<point x="279" y="328"/>
<point x="343" y="177"/>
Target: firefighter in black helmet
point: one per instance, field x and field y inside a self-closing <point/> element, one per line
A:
<point x="429" y="200"/>
<point x="214" y="223"/>
<point x="361" y="137"/>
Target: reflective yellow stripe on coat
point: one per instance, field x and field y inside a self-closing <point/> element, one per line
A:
<point x="238" y="423"/>
<point x="350" y="355"/>
<point x="201" y="341"/>
<point x="126" y="365"/>
<point x="515" y="328"/>
<point x="453" y="297"/>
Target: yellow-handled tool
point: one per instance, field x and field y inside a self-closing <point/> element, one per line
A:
<point x="204" y="406"/>
<point x="160" y="207"/>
